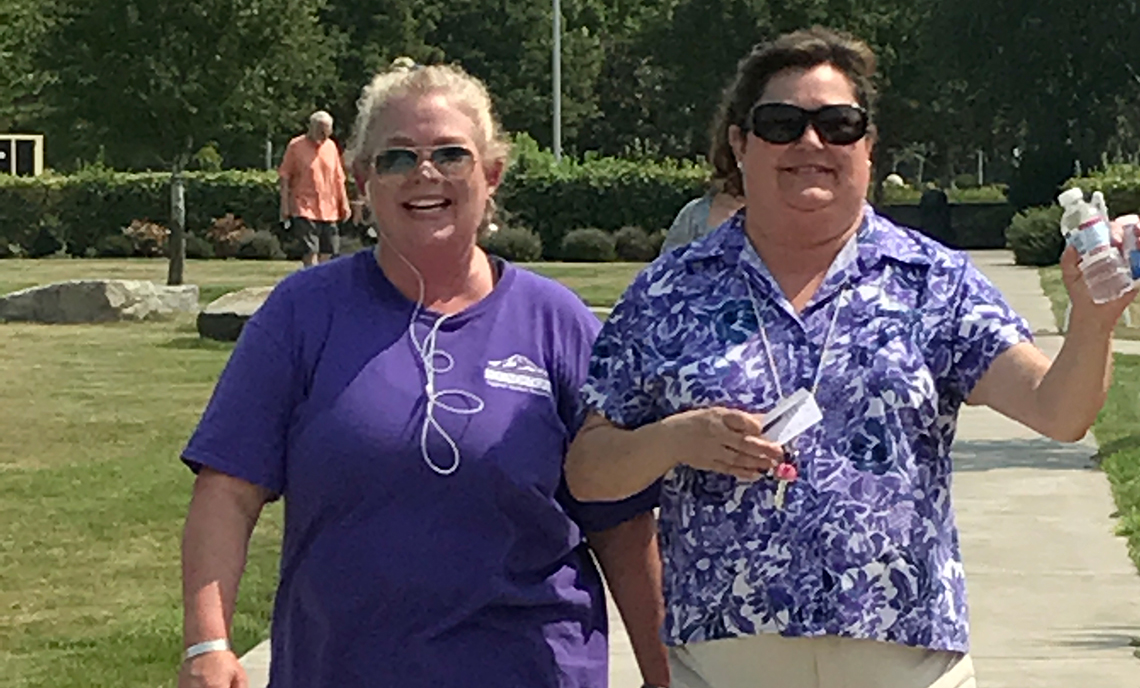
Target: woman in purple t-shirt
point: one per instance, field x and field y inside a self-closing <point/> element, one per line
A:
<point x="412" y="405"/>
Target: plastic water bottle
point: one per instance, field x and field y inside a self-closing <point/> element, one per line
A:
<point x="1131" y="225"/>
<point x="1085" y="226"/>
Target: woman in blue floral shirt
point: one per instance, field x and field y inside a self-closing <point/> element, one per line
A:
<point x="830" y="559"/>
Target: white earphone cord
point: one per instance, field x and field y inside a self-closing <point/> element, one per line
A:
<point x="427" y="352"/>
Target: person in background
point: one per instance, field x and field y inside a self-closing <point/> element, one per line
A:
<point x="701" y="216"/>
<point x="412" y="404"/>
<point x="817" y="547"/>
<point x="313" y="194"/>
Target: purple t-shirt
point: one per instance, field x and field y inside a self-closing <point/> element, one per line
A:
<point x="392" y="574"/>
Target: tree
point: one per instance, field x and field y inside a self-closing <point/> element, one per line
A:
<point x="150" y="79"/>
<point x="509" y="45"/>
<point x="506" y="43"/>
<point x="1057" y="76"/>
<point x="370" y="34"/>
<point x="24" y="23"/>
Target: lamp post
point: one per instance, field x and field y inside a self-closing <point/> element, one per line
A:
<point x="557" y="81"/>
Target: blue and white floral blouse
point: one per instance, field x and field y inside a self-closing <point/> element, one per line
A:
<point x="866" y="545"/>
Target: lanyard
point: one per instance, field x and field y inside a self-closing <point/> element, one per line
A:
<point x="768" y="346"/>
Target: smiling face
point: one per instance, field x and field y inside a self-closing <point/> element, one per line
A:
<point x="423" y="207"/>
<point x="807" y="175"/>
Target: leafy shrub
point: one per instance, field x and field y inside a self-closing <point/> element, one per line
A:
<point x="44" y="244"/>
<point x="588" y="246"/>
<point x="208" y="159"/>
<point x="1120" y="185"/>
<point x="96" y="203"/>
<point x="900" y="195"/>
<point x="25" y="203"/>
<point x="8" y="250"/>
<point x="516" y="244"/>
<point x="607" y="193"/>
<point x="261" y="245"/>
<point x="991" y="193"/>
<point x="657" y="240"/>
<point x="632" y="244"/>
<point x="966" y="181"/>
<point x="903" y="195"/>
<point x="147" y="239"/>
<point x="294" y="248"/>
<point x="199" y="248"/>
<point x="114" y="246"/>
<point x="1035" y="237"/>
<point x="226" y="234"/>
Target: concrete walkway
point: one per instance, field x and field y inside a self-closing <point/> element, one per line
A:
<point x="1054" y="599"/>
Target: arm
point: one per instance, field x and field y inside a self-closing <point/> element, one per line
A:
<point x="223" y="512"/>
<point x="342" y="187"/>
<point x="286" y="200"/>
<point x="1060" y="400"/>
<point x="284" y="173"/>
<point x="631" y="564"/>
<point x="608" y="463"/>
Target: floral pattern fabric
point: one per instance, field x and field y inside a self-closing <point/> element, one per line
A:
<point x="866" y="545"/>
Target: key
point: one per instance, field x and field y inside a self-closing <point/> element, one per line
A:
<point x="781" y="492"/>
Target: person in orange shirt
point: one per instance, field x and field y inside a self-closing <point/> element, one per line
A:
<point x="313" y="196"/>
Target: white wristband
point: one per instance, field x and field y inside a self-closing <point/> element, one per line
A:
<point x="220" y="645"/>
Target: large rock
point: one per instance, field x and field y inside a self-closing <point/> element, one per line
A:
<point x="93" y="301"/>
<point x="224" y="317"/>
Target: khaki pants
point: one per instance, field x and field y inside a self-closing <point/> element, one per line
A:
<point x="772" y="661"/>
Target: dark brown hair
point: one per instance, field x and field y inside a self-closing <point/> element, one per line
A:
<point x="803" y="49"/>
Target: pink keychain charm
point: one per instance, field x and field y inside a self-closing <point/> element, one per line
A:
<point x="786" y="473"/>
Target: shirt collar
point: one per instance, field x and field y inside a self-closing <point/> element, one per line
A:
<point x="877" y="239"/>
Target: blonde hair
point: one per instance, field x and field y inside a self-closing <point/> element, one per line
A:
<point x="406" y="78"/>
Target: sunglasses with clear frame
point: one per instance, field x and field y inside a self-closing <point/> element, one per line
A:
<point x="451" y="161"/>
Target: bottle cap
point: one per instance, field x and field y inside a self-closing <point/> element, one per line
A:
<point x="1071" y="196"/>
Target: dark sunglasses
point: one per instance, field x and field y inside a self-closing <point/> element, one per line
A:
<point x="782" y="123"/>
<point x="450" y="161"/>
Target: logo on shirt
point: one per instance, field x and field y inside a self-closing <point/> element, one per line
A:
<point x="518" y="373"/>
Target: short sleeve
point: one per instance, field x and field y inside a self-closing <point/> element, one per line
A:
<point x="286" y="169"/>
<point x="244" y="429"/>
<point x="616" y="385"/>
<point x="984" y="326"/>
<point x="681" y="231"/>
<point x="575" y="358"/>
<point x="574" y="342"/>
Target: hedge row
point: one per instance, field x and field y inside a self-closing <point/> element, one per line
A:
<point x="603" y="193"/>
<point x="1120" y="185"/>
<point x="80" y="210"/>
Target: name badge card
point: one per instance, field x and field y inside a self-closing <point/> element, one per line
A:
<point x="791" y="417"/>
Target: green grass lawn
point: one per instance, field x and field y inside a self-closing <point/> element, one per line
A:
<point x="92" y="495"/>
<point x="1059" y="299"/>
<point x="92" y="498"/>
<point x="1117" y="431"/>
